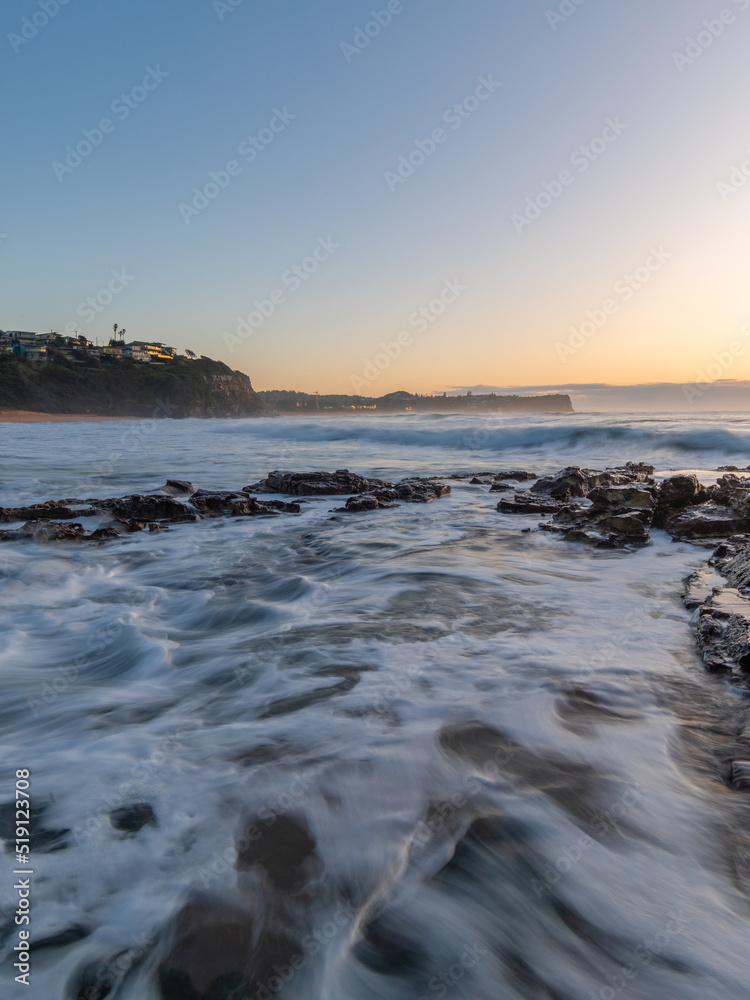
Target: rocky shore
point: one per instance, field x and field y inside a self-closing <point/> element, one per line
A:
<point x="178" y="501"/>
<point x="614" y="508"/>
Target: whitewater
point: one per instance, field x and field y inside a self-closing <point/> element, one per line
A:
<point x="477" y="761"/>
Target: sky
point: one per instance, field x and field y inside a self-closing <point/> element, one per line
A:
<point x="372" y="196"/>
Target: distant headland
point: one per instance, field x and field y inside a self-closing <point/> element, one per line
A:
<point x="289" y="402"/>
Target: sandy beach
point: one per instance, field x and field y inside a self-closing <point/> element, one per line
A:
<point x="31" y="417"/>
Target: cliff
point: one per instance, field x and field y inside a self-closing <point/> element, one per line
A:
<point x="199" y="388"/>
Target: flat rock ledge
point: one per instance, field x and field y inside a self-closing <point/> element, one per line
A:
<point x="179" y="502"/>
<point x="720" y="600"/>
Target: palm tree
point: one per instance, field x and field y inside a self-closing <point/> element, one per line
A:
<point x="189" y="353"/>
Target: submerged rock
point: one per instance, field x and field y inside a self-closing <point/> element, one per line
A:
<point x="178" y="488"/>
<point x="132" y="818"/>
<point x="221" y="953"/>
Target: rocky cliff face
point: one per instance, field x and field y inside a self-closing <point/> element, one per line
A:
<point x="200" y="388"/>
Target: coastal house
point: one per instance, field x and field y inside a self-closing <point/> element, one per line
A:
<point x="35" y="347"/>
<point x="23" y="344"/>
<point x="140" y="350"/>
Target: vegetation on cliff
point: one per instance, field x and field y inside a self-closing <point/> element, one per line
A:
<point x="124" y="388"/>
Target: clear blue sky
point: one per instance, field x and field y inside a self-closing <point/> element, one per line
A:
<point x="221" y="71"/>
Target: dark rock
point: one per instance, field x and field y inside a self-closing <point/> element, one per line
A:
<point x="132" y="818"/>
<point x="612" y="533"/>
<point x="148" y="508"/>
<point x="104" y="534"/>
<point x="675" y="494"/>
<point x="570" y="482"/>
<point x="528" y="503"/>
<point x="706" y="520"/>
<point x="45" y="511"/>
<point x="602" y="525"/>
<point x="732" y="491"/>
<point x="576" y="482"/>
<point x="178" y="488"/>
<point x="280" y="846"/>
<point x="500" y="488"/>
<point x="723" y="631"/>
<point x="252" y="507"/>
<point x="610" y="498"/>
<point x="407" y="491"/>
<point x="314" y="483"/>
<point x="416" y="490"/>
<point x="215" y="503"/>
<point x="519" y="475"/>
<point x="219" y="953"/>
<point x="363" y="503"/>
<point x="732" y="559"/>
<point x="722" y="619"/>
<point x="46" y="531"/>
<point x="479" y="482"/>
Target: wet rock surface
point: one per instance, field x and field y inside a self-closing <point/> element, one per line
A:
<point x="722" y="618"/>
<point x="618" y="507"/>
<point x="315" y="483"/>
<point x="407" y="491"/>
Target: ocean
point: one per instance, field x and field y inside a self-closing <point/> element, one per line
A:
<point x="474" y="761"/>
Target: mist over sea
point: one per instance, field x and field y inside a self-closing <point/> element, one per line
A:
<point x="341" y="675"/>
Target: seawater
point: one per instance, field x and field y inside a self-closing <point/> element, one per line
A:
<point x="358" y="674"/>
